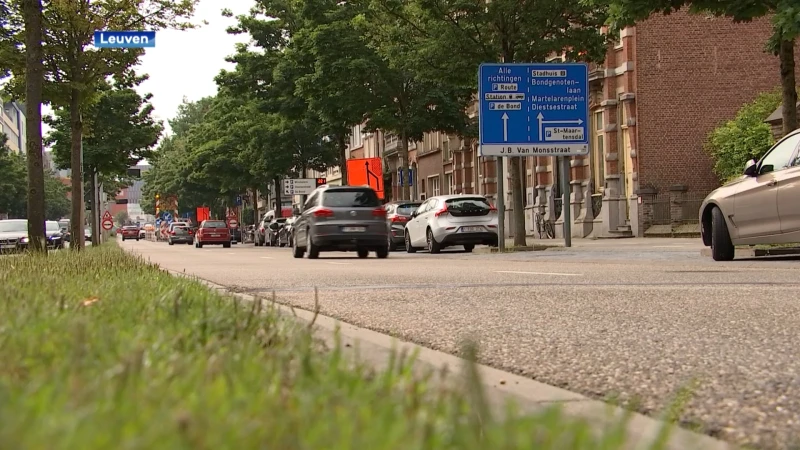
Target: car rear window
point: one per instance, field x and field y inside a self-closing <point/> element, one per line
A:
<point x="130" y="228"/>
<point x="280" y="220"/>
<point x="407" y="209"/>
<point x="214" y="224"/>
<point x="351" y="198"/>
<point x="468" y="206"/>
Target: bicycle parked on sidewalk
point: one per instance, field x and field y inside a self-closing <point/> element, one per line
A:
<point x="546" y="228"/>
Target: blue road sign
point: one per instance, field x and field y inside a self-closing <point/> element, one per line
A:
<point x="238" y="200"/>
<point x="534" y="109"/>
<point x="400" y="176"/>
<point x="124" y="39"/>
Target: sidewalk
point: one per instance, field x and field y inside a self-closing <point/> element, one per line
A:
<point x="635" y="244"/>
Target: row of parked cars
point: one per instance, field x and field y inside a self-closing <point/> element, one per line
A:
<point x="14" y="235"/>
<point x="352" y="218"/>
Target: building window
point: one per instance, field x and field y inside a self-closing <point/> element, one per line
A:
<point x="433" y="186"/>
<point x="447" y="153"/>
<point x="598" y="152"/>
<point x="357" y="138"/>
<point x="451" y="184"/>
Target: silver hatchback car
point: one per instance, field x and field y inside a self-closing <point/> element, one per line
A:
<point x="450" y="220"/>
<point x="341" y="218"/>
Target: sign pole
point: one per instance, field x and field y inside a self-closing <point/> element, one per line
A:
<point x="565" y="202"/>
<point x="501" y="205"/>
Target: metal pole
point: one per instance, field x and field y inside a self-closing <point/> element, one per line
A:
<point x="565" y="205"/>
<point x="98" y="227"/>
<point x="501" y="205"/>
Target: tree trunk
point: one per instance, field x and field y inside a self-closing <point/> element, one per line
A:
<point x="254" y="195"/>
<point x="404" y="188"/>
<point x="76" y="165"/>
<point x="517" y="168"/>
<point x="788" y="85"/>
<point x="95" y="207"/>
<point x="278" y="207"/>
<point x="34" y="78"/>
<point x="341" y="142"/>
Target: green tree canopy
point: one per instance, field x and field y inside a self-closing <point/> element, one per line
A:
<point x="743" y="138"/>
<point x="121" y="131"/>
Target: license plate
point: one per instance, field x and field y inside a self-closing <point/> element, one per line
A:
<point x="8" y="246"/>
<point x="354" y="229"/>
<point x="215" y="235"/>
<point x="472" y="229"/>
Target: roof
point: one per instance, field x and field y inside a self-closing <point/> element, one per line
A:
<point x="777" y="115"/>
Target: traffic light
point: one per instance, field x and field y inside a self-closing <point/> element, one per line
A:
<point x="321" y="181"/>
<point x="158" y="204"/>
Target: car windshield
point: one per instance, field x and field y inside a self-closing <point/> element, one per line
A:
<point x="214" y="224"/>
<point x="351" y="198"/>
<point x="407" y="209"/>
<point x="51" y="226"/>
<point x="11" y="226"/>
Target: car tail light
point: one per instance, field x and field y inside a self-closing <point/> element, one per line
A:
<point x="399" y="219"/>
<point x="172" y="232"/>
<point x="191" y="232"/>
<point x="441" y="211"/>
<point x="379" y="212"/>
<point x="323" y="212"/>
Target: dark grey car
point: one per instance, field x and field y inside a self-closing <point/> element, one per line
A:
<point x="398" y="214"/>
<point x="343" y="218"/>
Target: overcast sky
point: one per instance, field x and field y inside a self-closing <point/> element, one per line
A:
<point x="184" y="63"/>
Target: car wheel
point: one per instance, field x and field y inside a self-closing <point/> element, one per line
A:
<point x="226" y="245"/>
<point x="433" y="246"/>
<point x="469" y="248"/>
<point x="199" y="244"/>
<point x="297" y="252"/>
<point x="392" y="245"/>
<point x="189" y="243"/>
<point x="721" y="246"/>
<point x="123" y="239"/>
<point x="382" y="252"/>
<point x="171" y="243"/>
<point x="313" y="250"/>
<point x="409" y="248"/>
<point x="363" y="253"/>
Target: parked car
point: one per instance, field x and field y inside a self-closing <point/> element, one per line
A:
<point x="343" y="218"/>
<point x="236" y="235"/>
<point x="260" y="235"/>
<point x="130" y="232"/>
<point x="285" y="235"/>
<point x="142" y="233"/>
<point x="398" y="215"/>
<point x="449" y="220"/>
<point x="14" y="235"/>
<point x="273" y="230"/>
<point x="213" y="232"/>
<point x="758" y="208"/>
<point x="180" y="235"/>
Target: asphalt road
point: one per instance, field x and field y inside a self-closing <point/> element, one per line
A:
<point x="629" y="320"/>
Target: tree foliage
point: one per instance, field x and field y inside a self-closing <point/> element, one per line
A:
<point x="14" y="182"/>
<point x="121" y="131"/>
<point x="744" y="137"/>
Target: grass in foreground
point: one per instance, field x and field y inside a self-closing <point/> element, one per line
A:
<point x="101" y="350"/>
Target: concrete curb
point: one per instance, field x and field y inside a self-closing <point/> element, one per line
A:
<point x="757" y="252"/>
<point x="530" y="396"/>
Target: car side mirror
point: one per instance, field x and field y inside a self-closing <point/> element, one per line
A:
<point x="414" y="214"/>
<point x="751" y="168"/>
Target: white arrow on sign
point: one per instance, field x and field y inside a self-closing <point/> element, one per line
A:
<point x="505" y="127"/>
<point x="542" y="122"/>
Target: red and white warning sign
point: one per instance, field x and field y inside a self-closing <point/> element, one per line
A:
<point x="107" y="222"/>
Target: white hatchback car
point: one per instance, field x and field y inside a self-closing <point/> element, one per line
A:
<point x="450" y="220"/>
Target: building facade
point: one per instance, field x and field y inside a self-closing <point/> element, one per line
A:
<point x="12" y="124"/>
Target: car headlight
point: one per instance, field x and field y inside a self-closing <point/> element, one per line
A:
<point x="24" y="240"/>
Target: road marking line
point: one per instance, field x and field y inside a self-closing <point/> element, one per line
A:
<point x="669" y="246"/>
<point x="339" y="263"/>
<point x="539" y="273"/>
<point x="266" y="257"/>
